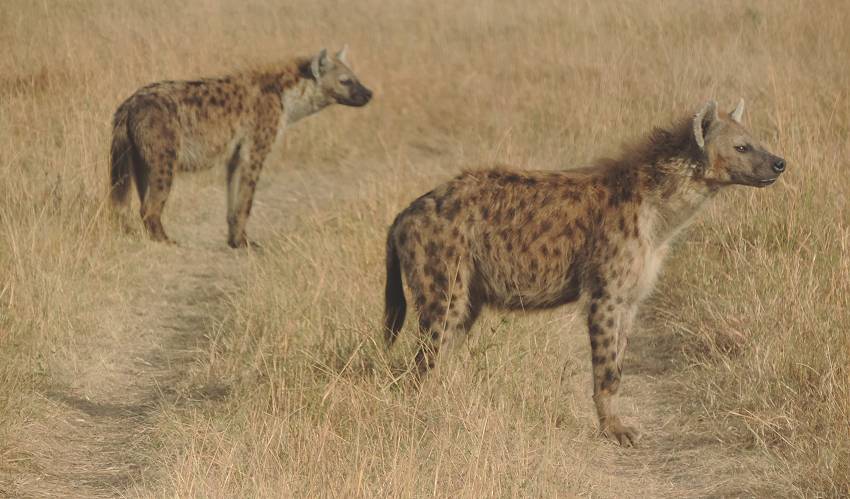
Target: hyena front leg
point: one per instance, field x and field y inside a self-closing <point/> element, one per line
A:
<point x="242" y="181"/>
<point x="610" y="319"/>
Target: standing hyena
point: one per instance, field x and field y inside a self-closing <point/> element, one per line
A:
<point x="532" y="240"/>
<point x="232" y="121"/>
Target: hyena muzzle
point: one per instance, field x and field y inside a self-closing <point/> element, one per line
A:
<point x="232" y="121"/>
<point x="533" y="240"/>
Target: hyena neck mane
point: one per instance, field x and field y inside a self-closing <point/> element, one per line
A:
<point x="300" y="93"/>
<point x="670" y="168"/>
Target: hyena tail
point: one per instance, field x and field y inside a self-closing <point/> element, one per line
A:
<point x="395" y="306"/>
<point x="121" y="159"/>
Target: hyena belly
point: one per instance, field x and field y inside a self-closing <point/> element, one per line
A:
<point x="202" y="151"/>
<point x="520" y="278"/>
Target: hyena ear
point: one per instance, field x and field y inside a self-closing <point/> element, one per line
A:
<point x="342" y="55"/>
<point x="703" y="120"/>
<point x="319" y="62"/>
<point x="738" y="112"/>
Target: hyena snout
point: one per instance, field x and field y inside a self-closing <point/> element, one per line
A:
<point x="358" y="96"/>
<point x="756" y="168"/>
<point x="769" y="170"/>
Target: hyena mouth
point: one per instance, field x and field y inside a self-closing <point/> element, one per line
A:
<point x="357" y="99"/>
<point x="767" y="181"/>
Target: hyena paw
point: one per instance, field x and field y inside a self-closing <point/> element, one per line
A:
<point x="620" y="433"/>
<point x="162" y="238"/>
<point x="243" y="242"/>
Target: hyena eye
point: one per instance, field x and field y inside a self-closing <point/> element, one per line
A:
<point x="743" y="148"/>
<point x="346" y="80"/>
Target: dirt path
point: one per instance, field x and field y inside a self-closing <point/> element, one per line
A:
<point x="98" y="426"/>
<point x="95" y="430"/>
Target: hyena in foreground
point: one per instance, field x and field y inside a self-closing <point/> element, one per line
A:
<point x="232" y="121"/>
<point x="534" y="240"/>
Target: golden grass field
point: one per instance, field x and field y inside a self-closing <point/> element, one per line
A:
<point x="130" y="368"/>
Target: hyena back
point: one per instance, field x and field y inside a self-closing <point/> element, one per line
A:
<point x="232" y="121"/>
<point x="534" y="240"/>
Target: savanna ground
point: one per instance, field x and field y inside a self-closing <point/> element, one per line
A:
<point x="133" y="368"/>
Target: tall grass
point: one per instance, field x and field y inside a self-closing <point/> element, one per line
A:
<point x="756" y="293"/>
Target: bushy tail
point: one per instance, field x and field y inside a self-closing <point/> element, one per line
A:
<point x="121" y="159"/>
<point x="395" y="306"/>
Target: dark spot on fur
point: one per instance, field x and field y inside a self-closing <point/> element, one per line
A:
<point x="441" y="280"/>
<point x="621" y="183"/>
<point x="193" y="101"/>
<point x="610" y="378"/>
<point x="581" y="226"/>
<point x="452" y="210"/>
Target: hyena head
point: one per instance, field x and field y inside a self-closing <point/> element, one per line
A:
<point x="734" y="155"/>
<point x="337" y="80"/>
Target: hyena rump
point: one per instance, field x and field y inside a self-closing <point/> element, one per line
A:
<point x="534" y="240"/>
<point x="232" y="121"/>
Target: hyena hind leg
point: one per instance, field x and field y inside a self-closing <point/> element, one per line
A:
<point x="159" y="181"/>
<point x="155" y="135"/>
<point x="443" y="324"/>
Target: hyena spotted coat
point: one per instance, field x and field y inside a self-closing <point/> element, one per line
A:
<point x="232" y="121"/>
<point x="534" y="240"/>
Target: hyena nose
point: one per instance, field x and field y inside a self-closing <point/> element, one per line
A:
<point x="779" y="165"/>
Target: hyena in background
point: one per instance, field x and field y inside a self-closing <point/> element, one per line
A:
<point x="232" y="121"/>
<point x="534" y="240"/>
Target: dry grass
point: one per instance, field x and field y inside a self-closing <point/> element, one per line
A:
<point x="757" y="295"/>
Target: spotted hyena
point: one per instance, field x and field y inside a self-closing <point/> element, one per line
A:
<point x="232" y="121"/>
<point x="534" y="240"/>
